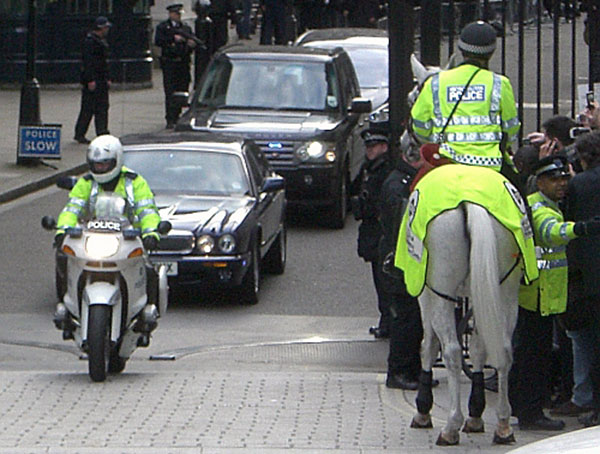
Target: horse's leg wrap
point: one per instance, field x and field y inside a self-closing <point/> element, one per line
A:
<point x="425" y="396"/>
<point x="477" y="397"/>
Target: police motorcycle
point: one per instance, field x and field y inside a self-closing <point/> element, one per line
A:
<point x="105" y="307"/>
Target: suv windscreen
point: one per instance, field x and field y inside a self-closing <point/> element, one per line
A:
<point x="270" y="85"/>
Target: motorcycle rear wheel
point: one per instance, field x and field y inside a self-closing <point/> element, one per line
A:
<point x="98" y="340"/>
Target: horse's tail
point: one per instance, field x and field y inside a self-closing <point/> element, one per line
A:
<point x="485" y="281"/>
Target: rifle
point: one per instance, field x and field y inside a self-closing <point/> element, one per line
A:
<point x="186" y="35"/>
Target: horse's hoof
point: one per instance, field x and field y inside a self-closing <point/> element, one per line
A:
<point x="509" y="439"/>
<point x="420" y="421"/>
<point x="452" y="439"/>
<point x="474" y="426"/>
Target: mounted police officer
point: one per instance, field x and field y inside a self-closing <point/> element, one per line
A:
<point x="485" y="123"/>
<point x="545" y="297"/>
<point x="366" y="206"/>
<point x="175" y="58"/>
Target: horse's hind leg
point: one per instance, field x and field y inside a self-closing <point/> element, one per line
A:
<point x="477" y="353"/>
<point x="445" y="327"/>
<point x="429" y="350"/>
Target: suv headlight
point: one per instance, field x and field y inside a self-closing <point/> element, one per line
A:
<point x="205" y="244"/>
<point x="316" y="151"/>
<point x="227" y="243"/>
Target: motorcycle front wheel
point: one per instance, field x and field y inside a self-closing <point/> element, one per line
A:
<point x="98" y="341"/>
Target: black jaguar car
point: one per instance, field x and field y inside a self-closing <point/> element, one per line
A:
<point x="225" y="203"/>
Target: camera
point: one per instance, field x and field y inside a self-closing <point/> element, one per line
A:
<point x="578" y="131"/>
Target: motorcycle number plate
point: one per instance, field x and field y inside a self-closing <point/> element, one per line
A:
<point x="172" y="268"/>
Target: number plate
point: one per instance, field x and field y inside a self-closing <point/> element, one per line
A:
<point x="172" y="268"/>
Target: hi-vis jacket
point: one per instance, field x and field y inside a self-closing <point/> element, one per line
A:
<point x="131" y="186"/>
<point x="485" y="116"/>
<point x="551" y="234"/>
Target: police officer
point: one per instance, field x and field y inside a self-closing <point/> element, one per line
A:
<point x="406" y="331"/>
<point x="175" y="58"/>
<point x="95" y="81"/>
<point x="485" y="122"/>
<point x="545" y="297"/>
<point x="366" y="205"/>
<point x="107" y="173"/>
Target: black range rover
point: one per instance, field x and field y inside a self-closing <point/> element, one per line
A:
<point x="302" y="106"/>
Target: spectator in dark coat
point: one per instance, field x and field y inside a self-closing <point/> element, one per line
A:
<point x="362" y="13"/>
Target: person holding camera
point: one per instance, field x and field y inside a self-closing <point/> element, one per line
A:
<point x="366" y="207"/>
<point x="583" y="202"/>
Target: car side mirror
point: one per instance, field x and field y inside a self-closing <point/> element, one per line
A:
<point x="180" y="99"/>
<point x="272" y="184"/>
<point x="163" y="227"/>
<point x="66" y="182"/>
<point x="48" y="223"/>
<point x="361" y="105"/>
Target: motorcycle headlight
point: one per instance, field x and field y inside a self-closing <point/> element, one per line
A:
<point x="101" y="246"/>
<point x="205" y="244"/>
<point x="315" y="151"/>
<point x="227" y="243"/>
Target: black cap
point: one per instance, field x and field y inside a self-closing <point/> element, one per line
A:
<point x="101" y="22"/>
<point x="552" y="166"/>
<point x="175" y="8"/>
<point x="374" y="135"/>
<point x="478" y="38"/>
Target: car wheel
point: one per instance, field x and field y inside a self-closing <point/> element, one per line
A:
<point x="336" y="216"/>
<point x="251" y="283"/>
<point x="277" y="256"/>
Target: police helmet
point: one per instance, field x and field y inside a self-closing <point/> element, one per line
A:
<point x="478" y="39"/>
<point x="552" y="166"/>
<point x="105" y="158"/>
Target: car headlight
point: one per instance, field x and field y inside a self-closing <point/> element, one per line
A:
<point x="205" y="244"/>
<point x="315" y="151"/>
<point x="227" y="243"/>
<point x="101" y="246"/>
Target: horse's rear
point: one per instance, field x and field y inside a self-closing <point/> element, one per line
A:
<point x="470" y="254"/>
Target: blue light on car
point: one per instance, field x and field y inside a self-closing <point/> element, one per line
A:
<point x="275" y="145"/>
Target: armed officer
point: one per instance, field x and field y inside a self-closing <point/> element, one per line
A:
<point x="366" y="205"/>
<point x="485" y="122"/>
<point x="175" y="58"/>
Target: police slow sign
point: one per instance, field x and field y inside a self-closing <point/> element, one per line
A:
<point x="39" y="141"/>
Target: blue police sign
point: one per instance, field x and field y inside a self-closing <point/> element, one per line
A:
<point x="39" y="142"/>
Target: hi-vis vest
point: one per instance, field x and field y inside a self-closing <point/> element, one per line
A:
<point x="445" y="188"/>
<point x="552" y="234"/>
<point x="485" y="114"/>
<point x="131" y="186"/>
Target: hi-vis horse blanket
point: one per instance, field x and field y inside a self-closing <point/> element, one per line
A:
<point x="445" y="188"/>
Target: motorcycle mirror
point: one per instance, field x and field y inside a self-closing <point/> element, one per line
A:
<point x="66" y="182"/>
<point x="164" y="227"/>
<point x="48" y="222"/>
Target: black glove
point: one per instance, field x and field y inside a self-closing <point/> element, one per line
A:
<point x="587" y="228"/>
<point x="58" y="240"/>
<point x="150" y="242"/>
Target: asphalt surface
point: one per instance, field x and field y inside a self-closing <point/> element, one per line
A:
<point x="220" y="397"/>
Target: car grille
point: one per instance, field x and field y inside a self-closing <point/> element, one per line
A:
<point x="278" y="153"/>
<point x="182" y="243"/>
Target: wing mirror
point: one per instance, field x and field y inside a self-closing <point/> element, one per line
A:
<point x="361" y="105"/>
<point x="272" y="184"/>
<point x="163" y="227"/>
<point x="48" y="222"/>
<point x="66" y="182"/>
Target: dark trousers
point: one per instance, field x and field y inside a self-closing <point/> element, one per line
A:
<point x="529" y="378"/>
<point x="176" y="77"/>
<point x="273" y="26"/>
<point x="384" y="297"/>
<point x="93" y="104"/>
<point x="594" y="329"/>
<point x="406" y="334"/>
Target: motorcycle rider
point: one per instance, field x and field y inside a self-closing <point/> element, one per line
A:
<point x="107" y="174"/>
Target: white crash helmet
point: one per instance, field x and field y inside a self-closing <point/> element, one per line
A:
<point x="105" y="158"/>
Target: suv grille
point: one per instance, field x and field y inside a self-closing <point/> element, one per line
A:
<point x="277" y="152"/>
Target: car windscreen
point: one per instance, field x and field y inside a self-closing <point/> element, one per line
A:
<point x="269" y="84"/>
<point x="371" y="66"/>
<point x="190" y="172"/>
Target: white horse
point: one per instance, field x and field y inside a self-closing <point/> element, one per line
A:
<point x="470" y="255"/>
